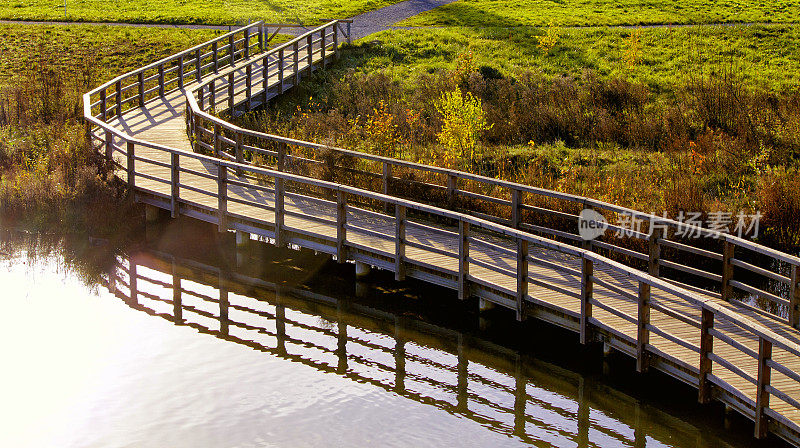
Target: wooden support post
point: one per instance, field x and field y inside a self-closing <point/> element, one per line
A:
<point x="198" y="66"/>
<point x="239" y="152"/>
<point x="131" y="166"/>
<point x="175" y="183"/>
<point x="280" y="70"/>
<point x="279" y="212"/>
<point x="201" y="97"/>
<point x="400" y="243"/>
<point x="341" y="226"/>
<point x="452" y="189"/>
<point x="387" y="174"/>
<point x="180" y="72"/>
<point x="222" y="197"/>
<point x="654" y="252"/>
<point x="247" y="43"/>
<point x="727" y="270"/>
<point x="249" y="87"/>
<point x="231" y="98"/>
<point x="296" y="62"/>
<point x="109" y="146"/>
<point x="794" y="296"/>
<point x="264" y="80"/>
<point x="103" y="104"/>
<point x="762" y="381"/>
<point x="161" y="80"/>
<point x="215" y="56"/>
<point x="231" y="50"/>
<point x="516" y="204"/>
<point x="522" y="277"/>
<point x="520" y="397"/>
<point x="462" y="376"/>
<point x="706" y="347"/>
<point x="310" y="50"/>
<point x="282" y="147"/>
<point x="587" y="271"/>
<point x="212" y="96"/>
<point x="463" y="260"/>
<point x="261" y="37"/>
<point x="133" y="280"/>
<point x="140" y="85"/>
<point x="643" y="333"/>
<point x="217" y="141"/>
<point x="177" y="302"/>
<point x="118" y="91"/>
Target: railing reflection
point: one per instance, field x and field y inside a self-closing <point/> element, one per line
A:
<point x="485" y="382"/>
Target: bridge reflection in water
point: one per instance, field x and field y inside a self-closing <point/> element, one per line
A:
<point x="536" y="401"/>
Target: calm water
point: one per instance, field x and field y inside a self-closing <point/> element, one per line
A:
<point x="281" y="348"/>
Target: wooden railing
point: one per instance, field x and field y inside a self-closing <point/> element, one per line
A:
<point x="708" y="262"/>
<point x="724" y="360"/>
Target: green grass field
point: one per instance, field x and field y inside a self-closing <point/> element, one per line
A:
<point x="223" y="12"/>
<point x="605" y="12"/>
<point x="768" y="57"/>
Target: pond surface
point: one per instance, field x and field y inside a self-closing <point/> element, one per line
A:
<point x="283" y="348"/>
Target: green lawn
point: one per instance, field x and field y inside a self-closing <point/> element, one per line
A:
<point x="605" y="12"/>
<point x="767" y="56"/>
<point x="180" y="11"/>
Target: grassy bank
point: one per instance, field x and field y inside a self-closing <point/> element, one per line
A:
<point x="710" y="137"/>
<point x="603" y="12"/>
<point x="49" y="177"/>
<point x="176" y="11"/>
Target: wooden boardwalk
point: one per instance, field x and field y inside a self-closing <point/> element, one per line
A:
<point x="734" y="353"/>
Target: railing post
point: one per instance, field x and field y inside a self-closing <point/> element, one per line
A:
<point x="222" y="197"/>
<point x="249" y="86"/>
<point x="279" y="211"/>
<point x="216" y="140"/>
<point x="296" y="61"/>
<point x="198" y="72"/>
<point x="140" y="85"/>
<point x="794" y="296"/>
<point x="231" y="99"/>
<point x="341" y="226"/>
<point x="118" y="90"/>
<point x="247" y="43"/>
<point x="322" y="40"/>
<point x="452" y="189"/>
<point x="516" y="204"/>
<point x="260" y="37"/>
<point x="386" y="176"/>
<point x="215" y="56"/>
<point x="103" y="104"/>
<point x="349" y="38"/>
<point x="522" y="277"/>
<point x="212" y="96"/>
<point x="587" y="271"/>
<point x="281" y="156"/>
<point x="109" y="146"/>
<point x="180" y="71"/>
<point x="231" y="49"/>
<point x="175" y="183"/>
<point x="336" y="40"/>
<point x="643" y="332"/>
<point x="239" y="152"/>
<point x="463" y="260"/>
<point x="706" y="347"/>
<point x="400" y="243"/>
<point x="201" y="97"/>
<point x="727" y="270"/>
<point x="161" y="80"/>
<point x="310" y="44"/>
<point x="762" y="381"/>
<point x="264" y="80"/>
<point x="131" y="166"/>
<point x="654" y="252"/>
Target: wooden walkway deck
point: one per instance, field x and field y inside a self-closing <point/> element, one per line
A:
<point x="744" y="357"/>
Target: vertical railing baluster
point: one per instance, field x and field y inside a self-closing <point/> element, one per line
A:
<point x="249" y="87"/>
<point x="654" y="249"/>
<point x="309" y="49"/>
<point x="522" y="277"/>
<point x="282" y="150"/>
<point x="215" y="56"/>
<point x="341" y="226"/>
<point x="400" y="244"/>
<point x="231" y="98"/>
<point x="239" y="152"/>
<point x="140" y="83"/>
<point x="217" y="141"/>
<point x="109" y="146"/>
<point x="516" y="205"/>
<point x="222" y="197"/>
<point x="279" y="197"/>
<point x="231" y="50"/>
<point x="103" y="104"/>
<point x="643" y="331"/>
<point x="794" y="296"/>
<point x="260" y="37"/>
<point x="322" y="45"/>
<point x="336" y="40"/>
<point x="247" y="43"/>
<point x="198" y="65"/>
<point x="296" y="60"/>
<point x="587" y="272"/>
<point x="762" y="381"/>
<point x="180" y="71"/>
<point x="131" y="166"/>
<point x="463" y="260"/>
<point x="175" y="179"/>
<point x="706" y="347"/>
<point x="264" y="80"/>
<point x="161" y="80"/>
<point x="118" y="91"/>
<point x="280" y="70"/>
<point x="452" y="189"/>
<point x="727" y="270"/>
<point x="212" y="96"/>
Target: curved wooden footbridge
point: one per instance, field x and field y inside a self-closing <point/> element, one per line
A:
<point x="717" y="312"/>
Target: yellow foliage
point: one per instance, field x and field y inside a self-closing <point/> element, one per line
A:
<point x="551" y="37"/>
<point x="463" y="122"/>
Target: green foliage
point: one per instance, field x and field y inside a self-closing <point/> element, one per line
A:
<point x="462" y="123"/>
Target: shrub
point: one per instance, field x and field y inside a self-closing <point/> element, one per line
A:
<point x="463" y="121"/>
